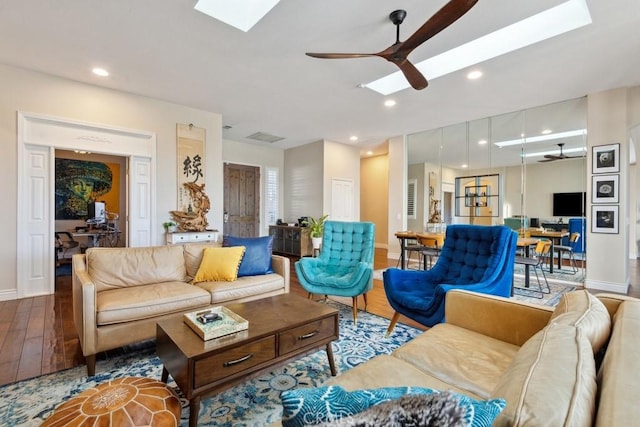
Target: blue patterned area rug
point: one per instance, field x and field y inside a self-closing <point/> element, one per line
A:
<point x="253" y="403"/>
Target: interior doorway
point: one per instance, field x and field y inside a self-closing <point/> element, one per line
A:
<point x="80" y="180"/>
<point x="38" y="139"/>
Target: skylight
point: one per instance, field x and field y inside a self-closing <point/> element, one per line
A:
<point x="557" y="20"/>
<point x="242" y="14"/>
<point x="545" y="137"/>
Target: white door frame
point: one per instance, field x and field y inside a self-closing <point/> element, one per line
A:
<point x="38" y="138"/>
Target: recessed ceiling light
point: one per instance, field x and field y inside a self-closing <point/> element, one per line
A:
<point x="353" y="138"/>
<point x="369" y="153"/>
<point x="464" y="166"/>
<point x="476" y="74"/>
<point x="542" y="26"/>
<point x="389" y="103"/>
<point x="482" y="142"/>
<point x="242" y="14"/>
<point x="546" y="132"/>
<point x="550" y="136"/>
<point x="100" y="72"/>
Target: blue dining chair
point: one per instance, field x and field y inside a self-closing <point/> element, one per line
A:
<point x="345" y="264"/>
<point x="474" y="257"/>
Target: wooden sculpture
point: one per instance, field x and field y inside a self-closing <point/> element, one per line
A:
<point x="435" y="211"/>
<point x="195" y="219"/>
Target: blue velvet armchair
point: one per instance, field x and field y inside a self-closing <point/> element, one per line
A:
<point x="474" y="257"/>
<point x="345" y="264"/>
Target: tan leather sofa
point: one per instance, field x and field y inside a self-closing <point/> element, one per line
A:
<point x="120" y="293"/>
<point x="575" y="365"/>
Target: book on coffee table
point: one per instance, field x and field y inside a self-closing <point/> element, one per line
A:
<point x="227" y="322"/>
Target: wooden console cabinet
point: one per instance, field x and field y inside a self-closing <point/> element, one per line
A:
<point x="291" y="240"/>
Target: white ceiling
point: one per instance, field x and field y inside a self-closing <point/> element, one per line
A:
<point x="262" y="81"/>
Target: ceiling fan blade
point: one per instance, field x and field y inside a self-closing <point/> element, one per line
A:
<point x="340" y="55"/>
<point x="446" y="16"/>
<point x="413" y="76"/>
<point x="547" y="160"/>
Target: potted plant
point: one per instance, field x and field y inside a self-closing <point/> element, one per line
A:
<point x="170" y="226"/>
<point x="316" y="228"/>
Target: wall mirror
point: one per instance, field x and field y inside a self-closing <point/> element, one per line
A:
<point x="535" y="153"/>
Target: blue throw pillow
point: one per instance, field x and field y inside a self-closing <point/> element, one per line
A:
<point x="306" y="406"/>
<point x="257" y="256"/>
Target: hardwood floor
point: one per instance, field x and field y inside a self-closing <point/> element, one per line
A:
<point x="38" y="336"/>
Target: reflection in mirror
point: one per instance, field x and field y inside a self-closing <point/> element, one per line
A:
<point x="537" y="153"/>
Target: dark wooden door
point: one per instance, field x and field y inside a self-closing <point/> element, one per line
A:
<point x="241" y="200"/>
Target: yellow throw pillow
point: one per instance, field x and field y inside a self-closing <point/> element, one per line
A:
<point x="219" y="264"/>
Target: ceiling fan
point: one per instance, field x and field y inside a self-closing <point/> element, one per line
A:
<point x="398" y="52"/>
<point x="554" y="157"/>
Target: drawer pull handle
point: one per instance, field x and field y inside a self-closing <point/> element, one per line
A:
<point x="309" y="335"/>
<point x="235" y="362"/>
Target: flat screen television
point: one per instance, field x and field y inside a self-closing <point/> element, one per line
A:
<point x="569" y="204"/>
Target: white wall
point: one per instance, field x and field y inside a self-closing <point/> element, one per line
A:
<point x="341" y="162"/>
<point x="542" y="180"/>
<point x="607" y="259"/>
<point x="303" y="181"/>
<point x="397" y="203"/>
<point x="34" y="92"/>
<point x="309" y="170"/>
<point x="263" y="157"/>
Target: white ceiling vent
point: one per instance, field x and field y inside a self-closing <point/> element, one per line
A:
<point x="265" y="137"/>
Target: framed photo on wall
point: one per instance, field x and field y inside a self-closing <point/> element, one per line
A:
<point x="604" y="219"/>
<point x="605" y="189"/>
<point x="606" y="158"/>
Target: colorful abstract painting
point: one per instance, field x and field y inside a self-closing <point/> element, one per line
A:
<point x="79" y="182"/>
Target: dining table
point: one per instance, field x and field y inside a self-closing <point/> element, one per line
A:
<point x="555" y="237"/>
<point x="403" y="236"/>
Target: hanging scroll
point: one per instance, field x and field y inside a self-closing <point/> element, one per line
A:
<point x="191" y="163"/>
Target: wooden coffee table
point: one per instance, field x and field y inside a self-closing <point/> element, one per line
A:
<point x="281" y="328"/>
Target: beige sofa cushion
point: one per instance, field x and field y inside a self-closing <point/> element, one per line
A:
<point x="243" y="287"/>
<point x="471" y="361"/>
<point x="112" y="268"/>
<point x="147" y="301"/>
<point x="585" y="312"/>
<point x="551" y="381"/>
<point x="389" y="371"/>
<point x="618" y="376"/>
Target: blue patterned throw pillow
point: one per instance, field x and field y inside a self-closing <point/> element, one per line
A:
<point x="302" y="407"/>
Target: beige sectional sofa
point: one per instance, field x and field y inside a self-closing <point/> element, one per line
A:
<point x="575" y="365"/>
<point x="120" y="293"/>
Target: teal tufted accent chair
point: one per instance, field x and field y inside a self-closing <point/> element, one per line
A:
<point x="345" y="264"/>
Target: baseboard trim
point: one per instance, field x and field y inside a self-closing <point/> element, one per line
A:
<point x="9" y="295"/>
<point x="619" y="288"/>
